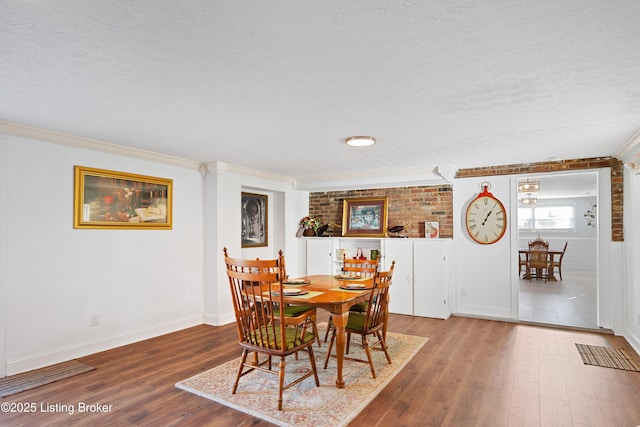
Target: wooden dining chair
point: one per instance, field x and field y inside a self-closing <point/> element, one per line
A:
<point x="257" y="289"/>
<point x="358" y="267"/>
<point x="369" y="323"/>
<point x="559" y="263"/>
<point x="538" y="244"/>
<point x="538" y="262"/>
<point x="298" y="313"/>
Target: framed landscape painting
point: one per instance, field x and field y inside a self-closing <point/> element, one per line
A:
<point x="364" y="217"/>
<point x="255" y="230"/>
<point x="110" y="199"/>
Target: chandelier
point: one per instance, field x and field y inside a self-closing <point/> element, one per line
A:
<point x="529" y="200"/>
<point x="528" y="186"/>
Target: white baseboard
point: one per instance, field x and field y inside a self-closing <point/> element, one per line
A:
<point x="633" y="340"/>
<point x="223" y="319"/>
<point x="101" y="344"/>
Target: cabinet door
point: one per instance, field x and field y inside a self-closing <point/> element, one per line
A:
<point x="319" y="260"/>
<point x="429" y="284"/>
<point x="401" y="290"/>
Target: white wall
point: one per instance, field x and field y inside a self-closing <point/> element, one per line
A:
<point x="142" y="283"/>
<point x="224" y="185"/>
<point x="482" y="272"/>
<point x="632" y="253"/>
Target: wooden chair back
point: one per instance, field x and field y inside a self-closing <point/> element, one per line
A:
<point x="256" y="291"/>
<point x="538" y="244"/>
<point x="539" y="261"/>
<point x="376" y="311"/>
<point x="360" y="267"/>
<point x="255" y="286"/>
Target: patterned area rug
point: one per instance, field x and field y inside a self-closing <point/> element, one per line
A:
<point x="305" y="404"/>
<point x="607" y="357"/>
<point x="28" y="380"/>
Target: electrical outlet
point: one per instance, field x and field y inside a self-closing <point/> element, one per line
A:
<point x="95" y="319"/>
<point x="464" y="292"/>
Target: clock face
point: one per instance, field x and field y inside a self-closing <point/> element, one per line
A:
<point x="486" y="220"/>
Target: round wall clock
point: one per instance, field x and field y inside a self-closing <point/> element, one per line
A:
<point x="486" y="218"/>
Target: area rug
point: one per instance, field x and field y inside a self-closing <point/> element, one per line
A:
<point x="29" y="380"/>
<point x="607" y="357"/>
<point x="305" y="404"/>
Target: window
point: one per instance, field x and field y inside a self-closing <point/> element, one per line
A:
<point x="546" y="218"/>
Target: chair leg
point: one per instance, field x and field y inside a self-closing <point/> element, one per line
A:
<point x="326" y="361"/>
<point x="329" y="327"/>
<point x="367" y="350"/>
<point x="312" y="359"/>
<point x="314" y="326"/>
<point x="281" y="375"/>
<point x="383" y="343"/>
<point x="245" y="353"/>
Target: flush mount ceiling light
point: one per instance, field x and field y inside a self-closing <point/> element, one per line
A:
<point x="528" y="186"/>
<point x="360" y="141"/>
<point x="529" y="200"/>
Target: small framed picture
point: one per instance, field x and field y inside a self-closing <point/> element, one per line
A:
<point x="364" y="217"/>
<point x="110" y="199"/>
<point x="431" y="229"/>
<point x="255" y="230"/>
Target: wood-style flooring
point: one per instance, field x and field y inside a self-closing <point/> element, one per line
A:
<point x="472" y="372"/>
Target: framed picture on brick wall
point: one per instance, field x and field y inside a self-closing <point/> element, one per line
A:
<point x="365" y="217"/>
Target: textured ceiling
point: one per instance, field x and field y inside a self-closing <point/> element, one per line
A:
<point x="278" y="85"/>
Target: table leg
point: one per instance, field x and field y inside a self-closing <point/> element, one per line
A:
<point x="340" y="321"/>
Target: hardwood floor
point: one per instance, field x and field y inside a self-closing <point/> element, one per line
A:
<point x="471" y="373"/>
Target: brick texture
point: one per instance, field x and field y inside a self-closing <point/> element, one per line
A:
<point x="415" y="205"/>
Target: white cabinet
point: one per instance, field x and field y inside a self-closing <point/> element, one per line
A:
<point x="401" y="290"/>
<point x="421" y="274"/>
<point x="319" y="256"/>
<point x="430" y="278"/>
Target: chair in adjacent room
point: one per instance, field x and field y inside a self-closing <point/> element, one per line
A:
<point x="538" y="264"/>
<point x="257" y="289"/>
<point x="538" y="244"/>
<point x="369" y="323"/>
<point x="559" y="262"/>
<point x="357" y="267"/>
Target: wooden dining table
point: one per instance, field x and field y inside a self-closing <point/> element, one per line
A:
<point x="326" y="294"/>
<point x="552" y="255"/>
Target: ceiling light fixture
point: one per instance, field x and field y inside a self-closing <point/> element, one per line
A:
<point x="528" y="186"/>
<point x="360" y="141"/>
<point x="529" y="200"/>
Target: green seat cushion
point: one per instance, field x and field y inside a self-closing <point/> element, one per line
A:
<point x="292" y="337"/>
<point x="293" y="310"/>
<point x="356" y="321"/>
<point x="360" y="307"/>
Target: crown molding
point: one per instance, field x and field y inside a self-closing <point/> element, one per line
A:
<point x="365" y="181"/>
<point x="228" y="167"/>
<point x="30" y="132"/>
<point x="629" y="146"/>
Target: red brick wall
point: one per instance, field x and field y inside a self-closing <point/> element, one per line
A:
<point x="435" y="203"/>
<point x="406" y="204"/>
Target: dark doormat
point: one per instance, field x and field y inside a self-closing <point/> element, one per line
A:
<point x="28" y="380"/>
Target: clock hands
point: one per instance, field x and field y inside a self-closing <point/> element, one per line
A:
<point x="489" y="214"/>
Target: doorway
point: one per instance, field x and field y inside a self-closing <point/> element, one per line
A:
<point x="562" y="208"/>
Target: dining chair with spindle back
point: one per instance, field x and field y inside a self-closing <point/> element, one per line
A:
<point x="370" y="323"/>
<point x="257" y="290"/>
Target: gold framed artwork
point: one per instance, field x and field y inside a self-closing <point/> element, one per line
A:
<point x="111" y="199"/>
<point x="364" y="217"/>
<point x="255" y="228"/>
